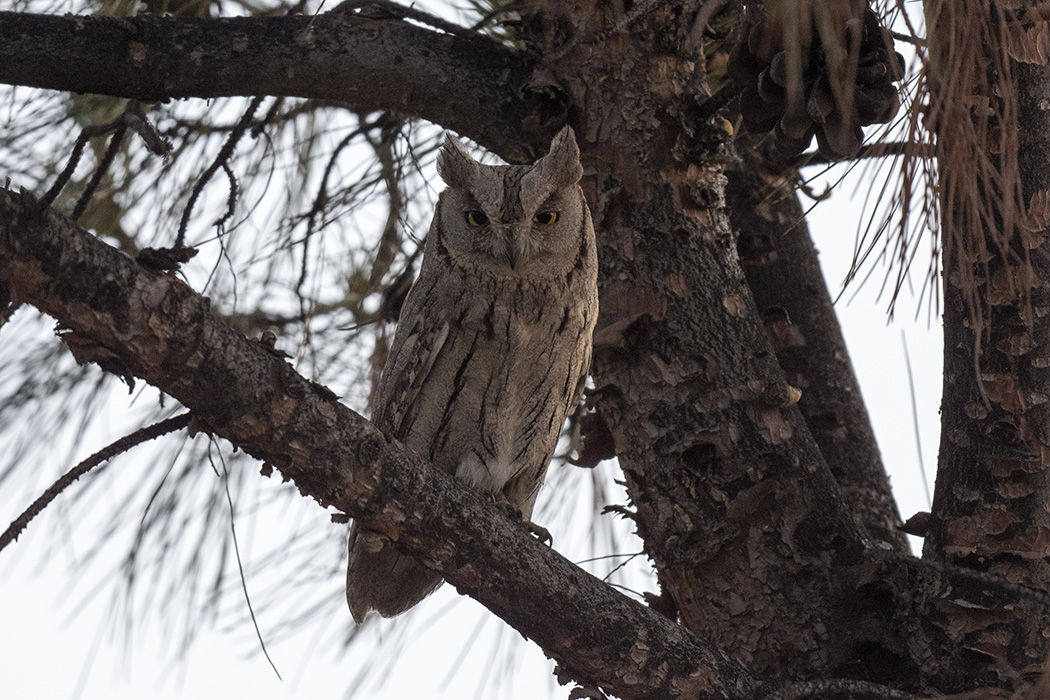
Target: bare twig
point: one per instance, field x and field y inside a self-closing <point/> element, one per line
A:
<point x="221" y="160"/>
<point x="231" y="198"/>
<point x="132" y="118"/>
<point x="703" y="16"/>
<point x="240" y="566"/>
<point x="270" y="117"/>
<point x="74" y="159"/>
<point x="100" y="171"/>
<point x="390" y="239"/>
<point x="112" y="450"/>
<point x="873" y="150"/>
<point x="908" y="38"/>
<point x="321" y="201"/>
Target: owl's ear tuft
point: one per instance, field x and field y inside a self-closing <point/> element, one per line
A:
<point x="561" y="166"/>
<point x="454" y="164"/>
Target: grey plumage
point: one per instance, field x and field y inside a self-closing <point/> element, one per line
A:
<point x="492" y="347"/>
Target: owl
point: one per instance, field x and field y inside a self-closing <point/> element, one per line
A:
<point x="492" y="346"/>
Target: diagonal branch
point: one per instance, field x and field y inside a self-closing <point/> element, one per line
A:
<point x="164" y="333"/>
<point x="468" y="83"/>
<point x="784" y="276"/>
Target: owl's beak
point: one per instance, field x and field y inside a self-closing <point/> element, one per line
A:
<point x="518" y="251"/>
<point x="510" y="246"/>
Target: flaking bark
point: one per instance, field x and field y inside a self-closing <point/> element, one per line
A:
<point x="748" y="530"/>
<point x="738" y="511"/>
<point x="989" y="508"/>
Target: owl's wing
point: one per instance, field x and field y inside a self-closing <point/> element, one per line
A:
<point x="407" y="368"/>
<point x="581" y="382"/>
<point x="573" y="397"/>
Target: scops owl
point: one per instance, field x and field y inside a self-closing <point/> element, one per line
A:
<point x="492" y="346"/>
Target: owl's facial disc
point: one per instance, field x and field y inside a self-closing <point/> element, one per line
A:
<point x="504" y="220"/>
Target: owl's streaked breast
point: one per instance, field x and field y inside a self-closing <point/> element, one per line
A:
<point x="492" y="405"/>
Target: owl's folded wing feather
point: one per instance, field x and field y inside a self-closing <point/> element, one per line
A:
<point x="378" y="577"/>
<point x="407" y="368"/>
<point x="585" y="370"/>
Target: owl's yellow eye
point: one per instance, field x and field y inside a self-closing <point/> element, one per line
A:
<point x="545" y="217"/>
<point x="476" y="217"/>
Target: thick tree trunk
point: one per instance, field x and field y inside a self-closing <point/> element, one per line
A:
<point x="736" y="506"/>
<point x="990" y="506"/>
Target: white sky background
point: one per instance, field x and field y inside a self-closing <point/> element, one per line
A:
<point x="53" y="645"/>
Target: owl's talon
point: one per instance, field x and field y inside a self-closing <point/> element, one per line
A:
<point x="539" y="532"/>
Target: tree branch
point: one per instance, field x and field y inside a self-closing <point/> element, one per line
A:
<point x="163" y="332"/>
<point x="784" y="275"/>
<point x="470" y="84"/>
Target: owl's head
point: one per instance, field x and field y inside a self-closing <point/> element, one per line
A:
<point x="526" y="220"/>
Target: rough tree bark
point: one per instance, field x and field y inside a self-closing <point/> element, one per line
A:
<point x="989" y="508"/>
<point x="467" y="83"/>
<point x="735" y="503"/>
<point x="701" y="411"/>
<point x="784" y="275"/>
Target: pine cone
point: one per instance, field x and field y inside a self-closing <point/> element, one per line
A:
<point x="792" y="90"/>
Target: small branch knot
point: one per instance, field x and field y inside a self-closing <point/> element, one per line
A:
<point x="369" y="449"/>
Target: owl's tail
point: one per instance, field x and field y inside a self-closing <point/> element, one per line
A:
<point x="379" y="578"/>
